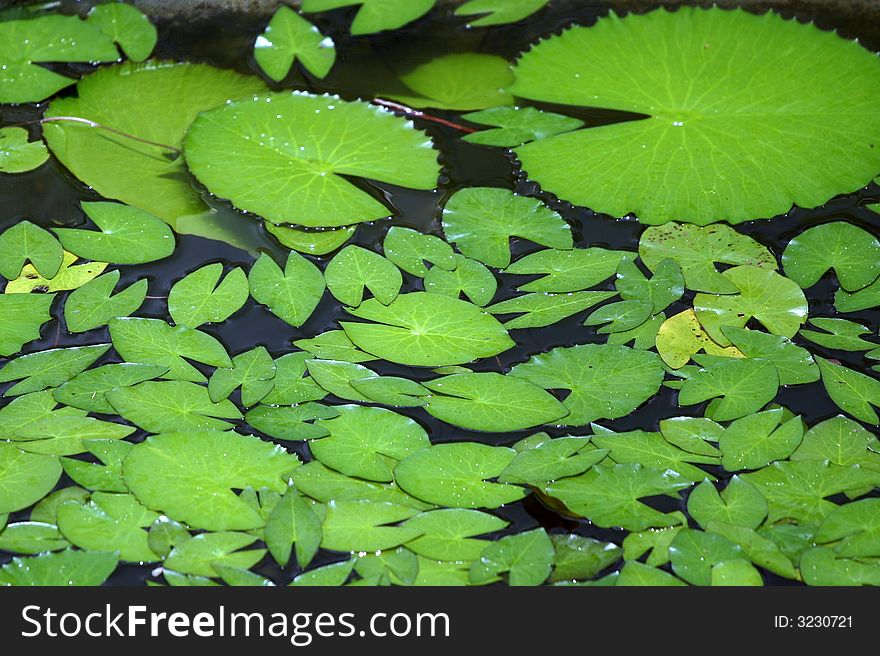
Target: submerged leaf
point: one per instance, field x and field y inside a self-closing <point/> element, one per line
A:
<point x="514" y="126"/>
<point x="468" y="80"/>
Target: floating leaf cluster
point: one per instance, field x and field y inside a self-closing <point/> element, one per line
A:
<point x="424" y="389"/>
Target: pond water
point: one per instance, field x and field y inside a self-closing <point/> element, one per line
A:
<point x="365" y="68"/>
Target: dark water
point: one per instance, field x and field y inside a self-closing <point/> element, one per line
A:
<point x="367" y="67"/>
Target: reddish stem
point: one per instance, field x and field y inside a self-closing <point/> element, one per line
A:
<point x="417" y="113"/>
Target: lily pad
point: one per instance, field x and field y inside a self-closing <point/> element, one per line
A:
<point x="171" y="406"/>
<point x="366" y="526"/>
<point x="18" y="154"/>
<point x="354" y="269"/>
<point x="606" y="381"/>
<point x="94" y="304"/>
<point x="498" y="12"/>
<point x="853" y="254"/>
<point x="743" y="386"/>
<point x="291" y="294"/>
<point x="375" y="15"/>
<point x="201" y="297"/>
<point x="448" y="533"/>
<point x="526" y="558"/>
<point x="482" y="220"/>
<point x="293" y="173"/>
<point x="69" y="276"/>
<point x="853" y="392"/>
<point x="127" y="26"/>
<point x="86" y="390"/>
<point x="538" y="309"/>
<point x="289" y="38"/>
<point x="25" y="478"/>
<point x="426" y="330"/>
<point x="127" y="235"/>
<point x="63" y="568"/>
<point x="739" y="503"/>
<point x="756" y="440"/>
<point x="771" y="137"/>
<point x="567" y="270"/>
<point x="514" y="126"/>
<point x="458" y="475"/>
<point x="191" y="476"/>
<point x="469" y="278"/>
<point x="51" y="368"/>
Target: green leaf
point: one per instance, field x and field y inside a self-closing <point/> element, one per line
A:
<point x="821" y="566"/>
<point x="756" y="440"/>
<point x="469" y="277"/>
<point x="621" y="316"/>
<point x="375" y="15"/>
<point x="44" y="369"/>
<point x="335" y="574"/>
<point x="191" y="476"/>
<point x="608" y="495"/>
<point x="336" y="377"/>
<point x="838" y="440"/>
<point x="333" y="345"/>
<point x="697" y="249"/>
<point x="367" y="442"/>
<point x="762" y="551"/>
<point x="410" y="250"/>
<point x="63" y="568"/>
<point x="738" y="573"/>
<point x="642" y="337"/>
<point x="291" y="294"/>
<point x="694" y="554"/>
<point x="400" y="567"/>
<point x="64" y="433"/>
<point x="290" y="385"/>
<point x="693" y="434"/>
<point x="637" y="574"/>
<point x="390" y="390"/>
<point x="853" y="254"/>
<point x="739" y="503"/>
<point x="743" y="386"/>
<point x="94" y="304"/>
<point x="481" y="222"/>
<point x="45" y="39"/>
<point x="798" y="490"/>
<point x="514" y="126"/>
<point x="651" y="450"/>
<point x="527" y="558"/>
<point x="498" y="12"/>
<point x="86" y="390"/>
<point x="253" y="371"/>
<point x="201" y="297"/>
<point x="200" y="553"/>
<point x="764" y="140"/>
<point x="448" y="534"/>
<point x="240" y="577"/>
<point x="853" y="392"/>
<point x="290" y="423"/>
<point x="776" y="302"/>
<point x="238" y="152"/>
<point x="661" y="290"/>
<point x="310" y="242"/>
<point x="322" y="484"/>
<point x="426" y="330"/>
<point x="681" y="336"/>
<point x="606" y="381"/>
<point x="581" y="558"/>
<point x="288" y="38"/>
<point x="105" y="476"/>
<point x="550" y="460"/>
<point x="467" y="80"/>
<point x="18" y="155"/>
<point x="293" y="522"/>
<point x="457" y="475"/>
<point x="68" y="277"/>
<point x="46" y="509"/>
<point x="31" y="538"/>
<point x="152" y="341"/>
<point x="156" y="101"/>
<point x="366" y="526"/>
<point x="127" y="26"/>
<point x="171" y="406"/>
<point x="853" y="528"/>
<point x="793" y="363"/>
<point x="839" y="334"/>
<point x="25" y="242"/>
<point x="114" y="521"/>
<point x="354" y="269"/>
<point x="127" y="235"/>
<point x="165" y="534"/>
<point x="491" y="402"/>
<point x="25" y="478"/>
<point x="567" y="270"/>
<point x="869" y="297"/>
<point x="541" y="309"/>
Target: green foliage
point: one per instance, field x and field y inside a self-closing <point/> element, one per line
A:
<point x="749" y="148"/>
<point x="94" y="304"/>
<point x="458" y="81"/>
<point x="288" y="38"/>
<point x="18" y="154"/>
<point x="853" y="254"/>
<point x="498" y="12"/>
<point x="127" y="26"/>
<point x="291" y="294"/>
<point x="354" y="270"/>
<point x="514" y="126"/>
<point x="201" y="297"/>
<point x="375" y="15"/>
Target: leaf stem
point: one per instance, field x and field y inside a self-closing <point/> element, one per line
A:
<point x="95" y="124"/>
<point x="417" y="113"/>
